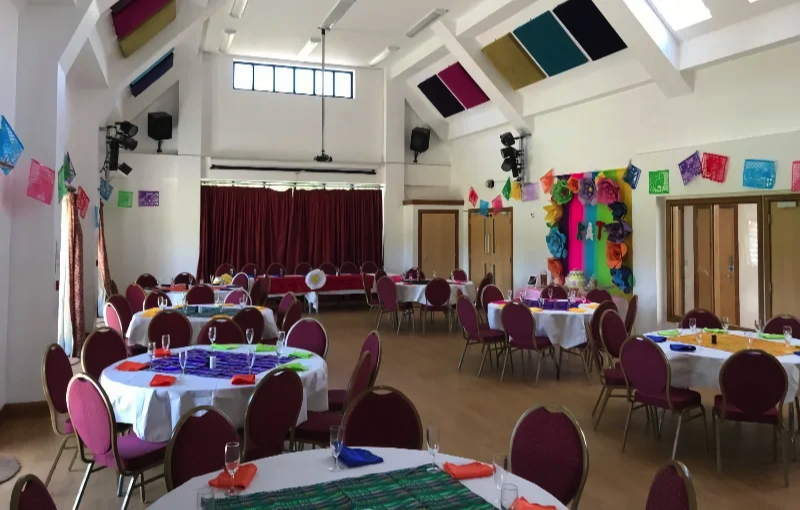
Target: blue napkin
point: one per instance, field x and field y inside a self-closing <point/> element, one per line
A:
<point x="797" y="353"/>
<point x="356" y="457"/>
<point x="682" y="347"/>
<point x="656" y="338"/>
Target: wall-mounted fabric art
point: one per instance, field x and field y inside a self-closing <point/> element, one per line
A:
<point x="105" y="189"/>
<point x="632" y="174"/>
<point x="529" y="191"/>
<point x="507" y="189"/>
<point x="516" y="191"/>
<point x="148" y="198"/>
<point x="483" y="210"/>
<point x="473" y="197"/>
<point x="497" y="205"/>
<point x="759" y="174"/>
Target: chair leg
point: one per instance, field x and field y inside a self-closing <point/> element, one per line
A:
<point x="380" y="316"/>
<point x="82" y="488"/>
<point x="74" y="456"/>
<point x="717" y="425"/>
<point x="538" y="368"/>
<point x="128" y="493"/>
<point x="785" y="458"/>
<point x="422" y="316"/>
<point x="462" y="354"/>
<point x="774" y="443"/>
<point x="627" y="422"/>
<point x="505" y="361"/>
<point x="607" y="392"/>
<point x="398" y="321"/>
<point x="677" y="435"/>
<point x="141" y="489"/>
<point x="120" y="480"/>
<point x="587" y="368"/>
<point x="55" y="462"/>
<point x="599" y="398"/>
<point x="560" y="354"/>
<point x="480" y="369"/>
<point x="705" y="428"/>
<point x="557" y="364"/>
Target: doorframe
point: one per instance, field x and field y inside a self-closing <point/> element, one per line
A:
<point x="510" y="211"/>
<point x="765" y="249"/>
<point x="420" y="212"/>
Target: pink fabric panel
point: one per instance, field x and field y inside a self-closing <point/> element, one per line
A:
<point x="463" y="86"/>
<point x="134" y="15"/>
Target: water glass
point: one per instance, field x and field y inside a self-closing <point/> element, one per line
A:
<point x="725" y="324"/>
<point x="217" y="300"/>
<point x="151" y="351"/>
<point x="249" y="334"/>
<point x="500" y="465"/>
<point x="759" y="327"/>
<point x="183" y="357"/>
<point x="280" y="346"/>
<point x="508" y="494"/>
<point x="693" y="326"/>
<point x="787" y="335"/>
<point x="550" y="293"/>
<point x="206" y="499"/>
<point x="232" y="464"/>
<point x="541" y="301"/>
<point x="510" y="295"/>
<point x="243" y="301"/>
<point x="337" y="441"/>
<point x="165" y="342"/>
<point x="212" y="334"/>
<point x="432" y="438"/>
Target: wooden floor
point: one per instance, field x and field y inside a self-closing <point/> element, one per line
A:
<point x="476" y="417"/>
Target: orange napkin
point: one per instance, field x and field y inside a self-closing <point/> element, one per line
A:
<point x="162" y="380"/>
<point x="536" y="310"/>
<point x="592" y="305"/>
<point x="576" y="310"/>
<point x="150" y="312"/>
<point x="467" y="471"/>
<point x="524" y="504"/>
<point x="244" y="475"/>
<point x="243" y="379"/>
<point x="161" y="353"/>
<point x="131" y="366"/>
<point x="178" y="287"/>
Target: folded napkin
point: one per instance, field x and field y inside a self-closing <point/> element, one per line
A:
<point x="150" y="312"/>
<point x="244" y="475"/>
<point x="682" y="348"/>
<point x="131" y="366"/>
<point x="467" y="471"/>
<point x="657" y="339"/>
<point x="523" y="504"/>
<point x="178" y="287"/>
<point x="459" y="281"/>
<point x="668" y="333"/>
<point x="161" y="353"/>
<point x="717" y="331"/>
<point x="297" y="367"/>
<point x="592" y="306"/>
<point x="770" y="336"/>
<point x="500" y="302"/>
<point x="301" y="355"/>
<point x="265" y="348"/>
<point x="356" y="457"/>
<point x="536" y="309"/>
<point x="225" y="347"/>
<point x="243" y="379"/>
<point x="576" y="310"/>
<point x="159" y="380"/>
<point x="260" y="308"/>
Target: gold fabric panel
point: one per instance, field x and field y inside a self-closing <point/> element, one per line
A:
<point x="512" y="61"/>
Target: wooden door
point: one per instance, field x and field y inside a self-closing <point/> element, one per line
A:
<point x="726" y="263"/>
<point x="479" y="253"/>
<point x="784" y="245"/>
<point x="703" y="257"/>
<point x="437" y="249"/>
<point x="491" y="248"/>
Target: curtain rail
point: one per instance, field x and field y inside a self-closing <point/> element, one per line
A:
<point x="286" y="185"/>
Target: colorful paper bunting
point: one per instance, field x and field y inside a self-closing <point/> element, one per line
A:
<point x="690" y="168"/>
<point x="497" y="205"/>
<point x="484" y="208"/>
<point x="10" y="146"/>
<point x="40" y="182"/>
<point x="715" y="167"/>
<point x="547" y="180"/>
<point x="473" y="196"/>
<point x="516" y="191"/>
<point x="148" y="198"/>
<point x="69" y="173"/>
<point x="658" y="182"/>
<point x="62" y="180"/>
<point x="796" y="176"/>
<point x="83" y="202"/>
<point x="631" y="175"/>
<point x="125" y="199"/>
<point x="529" y="191"/>
<point x="507" y="189"/>
<point x="759" y="174"/>
<point x="105" y="189"/>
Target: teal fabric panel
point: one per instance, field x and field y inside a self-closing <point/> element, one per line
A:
<point x="549" y="44"/>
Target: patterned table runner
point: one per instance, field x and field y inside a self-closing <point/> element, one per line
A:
<point x="736" y="343"/>
<point x="404" y="489"/>
<point x="228" y="364"/>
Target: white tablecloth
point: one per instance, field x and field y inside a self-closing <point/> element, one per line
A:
<point x="567" y="329"/>
<point x="137" y="330"/>
<point x="311" y="467"/>
<point x="410" y="293"/>
<point x="154" y="412"/>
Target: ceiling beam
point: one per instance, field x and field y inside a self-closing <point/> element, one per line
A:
<point x="651" y="41"/>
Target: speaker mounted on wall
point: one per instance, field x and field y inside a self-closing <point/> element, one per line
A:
<point x="420" y="141"/>
<point x="159" y="127"/>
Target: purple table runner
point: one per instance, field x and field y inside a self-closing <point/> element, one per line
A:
<point x="228" y="364"/>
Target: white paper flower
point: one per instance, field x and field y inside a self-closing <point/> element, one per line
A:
<point x="316" y="279"/>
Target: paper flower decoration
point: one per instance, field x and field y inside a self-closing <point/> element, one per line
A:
<point x="607" y="191"/>
<point x="547" y="181"/>
<point x="554" y="266"/>
<point x="617" y="232"/>
<point x="586" y="190"/>
<point x="554" y="212"/>
<point x="623" y="278"/>
<point x="573" y="184"/>
<point x="615" y="252"/>
<point x="561" y="192"/>
<point x="618" y="210"/>
<point x="557" y="243"/>
<point x="315" y="280"/>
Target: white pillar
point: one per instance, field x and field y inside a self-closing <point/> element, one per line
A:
<point x="395" y="178"/>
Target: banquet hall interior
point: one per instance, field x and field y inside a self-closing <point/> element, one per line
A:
<point x="449" y="254"/>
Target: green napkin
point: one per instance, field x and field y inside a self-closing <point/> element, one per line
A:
<point x="297" y="367"/>
<point x="668" y="333"/>
<point x="770" y="336"/>
<point x="224" y="347"/>
<point x="301" y="355"/>
<point x="715" y="331"/>
<point x="266" y="348"/>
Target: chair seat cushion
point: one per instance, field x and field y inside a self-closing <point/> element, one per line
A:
<point x="317" y="428"/>
<point x="614" y="377"/>
<point x="336" y="400"/>
<point x="135" y="350"/>
<point x="681" y="399"/>
<point x="433" y="308"/>
<point x="542" y="342"/>
<point x="733" y="413"/>
<point x="373" y="300"/>
<point x="134" y="454"/>
<point x="491" y="336"/>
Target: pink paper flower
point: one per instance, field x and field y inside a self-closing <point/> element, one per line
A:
<point x="607" y="190"/>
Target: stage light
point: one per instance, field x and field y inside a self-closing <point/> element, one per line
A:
<point x="125" y="168"/>
<point x="127" y="128"/>
<point x="509" y="164"/>
<point x="128" y="143"/>
<point x="508" y="152"/>
<point x="507" y="139"/>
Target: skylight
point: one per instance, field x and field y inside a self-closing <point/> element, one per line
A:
<point x="680" y="14"/>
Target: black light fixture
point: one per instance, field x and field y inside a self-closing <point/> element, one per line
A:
<point x="125" y="168"/>
<point x="513" y="158"/>
<point x="119" y="135"/>
<point x="127" y="128"/>
<point x="507" y="139"/>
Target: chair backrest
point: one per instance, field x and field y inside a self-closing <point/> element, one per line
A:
<point x="366" y="287"/>
<point x="272" y="412"/>
<point x="413" y="273"/>
<point x="645" y="366"/>
<point x="172" y="323"/>
<point x="197" y="445"/>
<point x="672" y="489"/>
<point x="519" y="323"/>
<point x="372" y="345"/>
<point x="114" y="288"/>
<point x="308" y="334"/>
<point x="31" y="494"/>
<point x="737" y="378"/>
<point x="117" y="314"/>
<point x="459" y="275"/>
<point x="597" y="296"/>
<point x="234" y="297"/>
<point x="251" y="317"/>
<point x="630" y="316"/>
<point x="276" y="269"/>
<point x="328" y="268"/>
<point x="380" y="273"/>
<point x="776" y="324"/>
<point x="359" y="380"/>
<point x="302" y="269"/>
<point x="387" y="293"/>
<point x="135" y="295"/>
<point x="704" y="319"/>
<point x="250" y="269"/>
<point x="549" y="449"/>
<point x="147" y="281"/>
<point x="491" y="292"/>
<point x="241" y="280"/>
<point x="151" y="301"/>
<point x="486" y="280"/>
<point x="468" y="317"/>
<point x="612" y="332"/>
<point x="102" y="347"/>
<point x="293" y="315"/>
<point x="559" y="292"/>
<point x="437" y="292"/>
<point x="199" y="295"/>
<point x="283" y="307"/>
<point x="348" y="268"/>
<point x="382" y="417"/>
<point x="369" y="267"/>
<point x="184" y="279"/>
<point x="91" y="415"/>
<point x="225" y="268"/>
<point x="228" y="332"/>
<point x="56" y="373"/>
<point x="260" y="290"/>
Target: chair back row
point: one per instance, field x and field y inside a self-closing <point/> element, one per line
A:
<point x="301" y="269"/>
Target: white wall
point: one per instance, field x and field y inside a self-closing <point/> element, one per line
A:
<point x="166" y="103"/>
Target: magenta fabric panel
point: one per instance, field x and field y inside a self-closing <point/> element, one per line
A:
<point x="134" y="15"/>
<point x="463" y="86"/>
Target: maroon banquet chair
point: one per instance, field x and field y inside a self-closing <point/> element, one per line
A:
<point x="598" y="296"/>
<point x="292" y="316"/>
<point x="102" y="348"/>
<point x="648" y="377"/>
<point x="118" y="314"/>
<point x="260" y="291"/>
<point x="630" y="316"/>
<point x="30" y="493"/>
<point x="197" y="445"/>
<point x="459" y="275"/>
<point x="135" y="295"/>
<point x="672" y="489"/>
<point x="114" y="288"/>
<point x="147" y="281"/>
<point x="520" y="326"/>
<point x="308" y="334"/>
<point x="382" y="417"/>
<point x="241" y="280"/>
<point x="744" y="400"/>
<point x="776" y="324"/>
<point x="369" y="267"/>
<point x="234" y="297"/>
<point x="704" y="319"/>
<point x="272" y="414"/>
<point x="372" y="345"/>
<point x="56" y="373"/>
<point x="228" y="332"/>
<point x="95" y="425"/>
<point x="474" y="334"/>
<point x="276" y="269"/>
<point x="387" y="295"/>
<point x="199" y="295"/>
<point x="248" y="318"/>
<point x="348" y="268"/>
<point x="250" y="269"/>
<point x="286" y="302"/>
<point x="372" y="298"/>
<point x="486" y="280"/>
<point x="224" y="268"/>
<point x="172" y="323"/>
<point x="437" y="298"/>
<point x="328" y="268"/>
<point x="316" y="429"/>
<point x="302" y="269"/>
<point x="607" y="327"/>
<point x="548" y="448"/>
<point x="415" y="273"/>
<point x="491" y="293"/>
<point x="380" y="273"/>
<point x="184" y="279"/>
<point x="151" y="301"/>
<point x="559" y="292"/>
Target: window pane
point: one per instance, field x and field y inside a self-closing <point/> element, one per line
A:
<point x="284" y="79"/>
<point x="328" y="83"/>
<point x="262" y="78"/>
<point x="243" y="76"/>
<point x="304" y="81"/>
<point x="344" y="83"/>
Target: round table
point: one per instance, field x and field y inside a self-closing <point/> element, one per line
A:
<point x="177" y="297"/>
<point x="564" y="328"/>
<point x="154" y="412"/>
<point x="137" y="330"/>
<point x="410" y="292"/>
<point x="311" y="467"/>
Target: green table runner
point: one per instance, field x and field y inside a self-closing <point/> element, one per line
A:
<point x="405" y="489"/>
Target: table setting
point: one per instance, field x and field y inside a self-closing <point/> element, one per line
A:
<point x="413" y="291"/>
<point x="564" y="321"/>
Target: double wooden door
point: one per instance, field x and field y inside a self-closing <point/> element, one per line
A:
<point x="491" y="248"/>
<point x="437" y="250"/>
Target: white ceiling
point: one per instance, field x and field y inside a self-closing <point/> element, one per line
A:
<point x="280" y="28"/>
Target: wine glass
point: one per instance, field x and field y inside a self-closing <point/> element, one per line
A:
<point x="183" y="357"/>
<point x="508" y="494"/>
<point x="232" y="464"/>
<point x="337" y="441"/>
<point x="541" y="301"/>
<point x="725" y="324"/>
<point x="251" y="360"/>
<point x="550" y="293"/>
<point x="280" y="346"/>
<point x="434" y="274"/>
<point x="432" y="437"/>
<point x="165" y="343"/>
<point x="151" y="351"/>
<point x="510" y="295"/>
<point x="243" y="300"/>
<point x="161" y="303"/>
<point x="217" y="300"/>
<point x="693" y="326"/>
<point x="500" y="465"/>
<point x="249" y="334"/>
<point x="787" y="335"/>
<point x="759" y="328"/>
<point x="212" y="334"/>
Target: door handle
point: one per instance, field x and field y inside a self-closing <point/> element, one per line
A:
<point x="494" y="272"/>
<point x="484" y="269"/>
<point x="731" y="268"/>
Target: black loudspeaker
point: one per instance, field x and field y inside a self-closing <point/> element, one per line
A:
<point x="420" y="141"/>
<point x="159" y="126"/>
